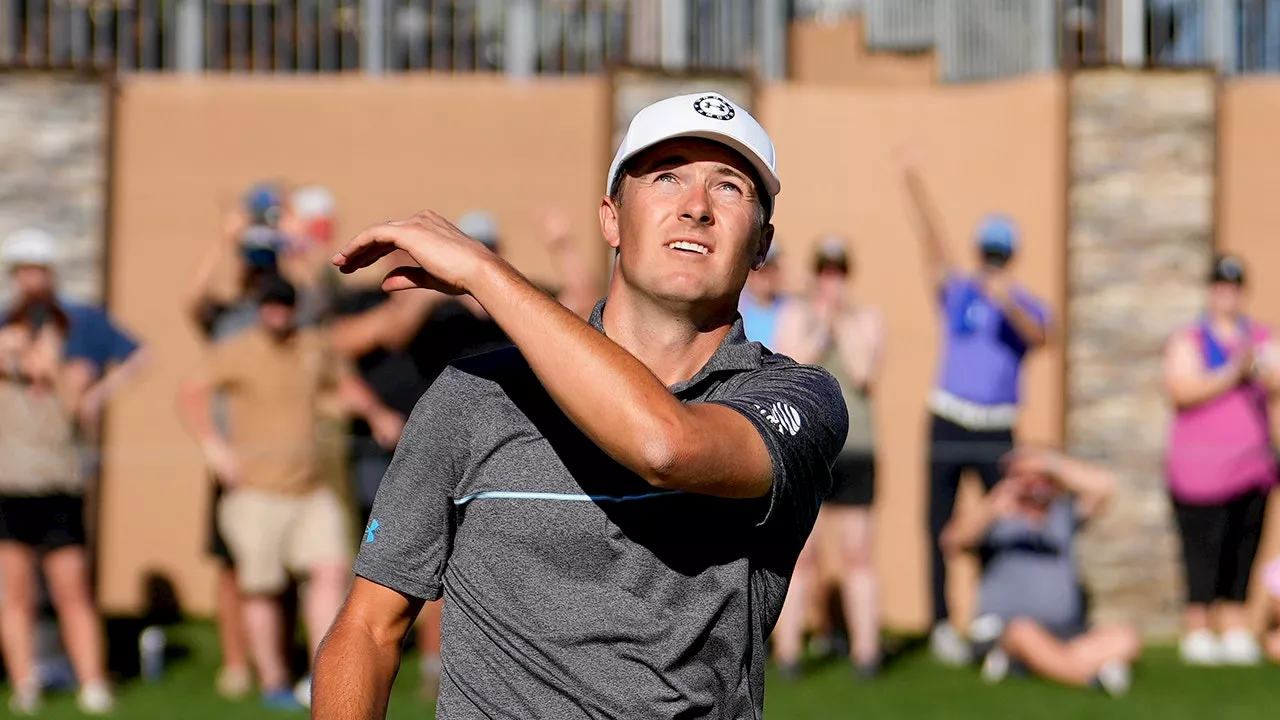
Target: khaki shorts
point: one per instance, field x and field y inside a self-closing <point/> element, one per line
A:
<point x="270" y="535"/>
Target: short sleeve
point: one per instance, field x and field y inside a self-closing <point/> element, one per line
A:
<point x="116" y="345"/>
<point x="409" y="538"/>
<point x="801" y="416"/>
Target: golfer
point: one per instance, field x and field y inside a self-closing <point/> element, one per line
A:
<point x="611" y="510"/>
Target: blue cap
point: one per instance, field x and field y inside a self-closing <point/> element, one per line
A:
<point x="998" y="234"/>
<point x="263" y="202"/>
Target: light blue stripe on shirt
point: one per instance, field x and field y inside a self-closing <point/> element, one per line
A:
<point x="558" y="497"/>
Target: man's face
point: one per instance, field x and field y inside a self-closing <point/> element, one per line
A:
<point x="276" y="318"/>
<point x="1226" y="299"/>
<point x="994" y="260"/>
<point x="688" y="228"/>
<point x="33" y="280"/>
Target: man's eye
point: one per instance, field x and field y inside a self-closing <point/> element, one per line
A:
<point x="664" y="177"/>
<point x="731" y="187"/>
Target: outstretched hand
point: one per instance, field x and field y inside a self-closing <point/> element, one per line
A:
<point x="446" y="259"/>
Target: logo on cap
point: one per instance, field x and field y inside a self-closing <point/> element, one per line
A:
<point x="714" y="107"/>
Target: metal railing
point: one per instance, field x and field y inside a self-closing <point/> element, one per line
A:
<point x="902" y="25"/>
<point x="987" y="39"/>
<point x="525" y="36"/>
<point x="974" y="39"/>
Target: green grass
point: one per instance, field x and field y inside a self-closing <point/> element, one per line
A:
<point x="913" y="687"/>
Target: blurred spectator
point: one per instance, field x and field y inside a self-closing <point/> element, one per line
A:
<point x="1175" y="32"/>
<point x="1220" y="373"/>
<point x="220" y="314"/>
<point x="762" y="300"/>
<point x="831" y="329"/>
<point x="1031" y="603"/>
<point x="102" y="355"/>
<point x="41" y="503"/>
<point x="989" y="325"/>
<point x="276" y="516"/>
<point x="100" y="359"/>
<point x="578" y="289"/>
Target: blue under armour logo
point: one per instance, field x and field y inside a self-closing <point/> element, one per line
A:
<point x="370" y="530"/>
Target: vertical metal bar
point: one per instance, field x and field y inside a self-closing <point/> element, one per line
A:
<point x="126" y="51"/>
<point x="284" y="35"/>
<point x="595" y="30"/>
<point x="373" y="37"/>
<point x="35" y="33"/>
<point x="771" y="39"/>
<point x="519" y="28"/>
<point x="58" y="33"/>
<point x="149" y="18"/>
<point x="305" y="51"/>
<point x="325" y="10"/>
<point x="189" y="36"/>
<point x="416" y="34"/>
<point x="674" y="22"/>
<point x="81" y="42"/>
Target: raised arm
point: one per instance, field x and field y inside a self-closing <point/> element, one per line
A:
<point x="938" y="263"/>
<point x="604" y="390"/>
<point x="1091" y="485"/>
<point x="1187" y="380"/>
<point x="201" y="288"/>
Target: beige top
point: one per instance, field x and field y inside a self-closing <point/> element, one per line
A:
<point x="273" y="389"/>
<point x="37" y="445"/>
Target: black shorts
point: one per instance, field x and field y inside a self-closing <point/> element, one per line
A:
<point x="215" y="545"/>
<point x="1219" y="545"/>
<point x="46" y="522"/>
<point x="853" y="479"/>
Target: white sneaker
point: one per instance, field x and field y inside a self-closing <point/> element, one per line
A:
<point x="996" y="667"/>
<point x="1115" y="677"/>
<point x="947" y="645"/>
<point x="302" y="692"/>
<point x="25" y="700"/>
<point x="96" y="699"/>
<point x="1239" y="647"/>
<point x="1200" y="647"/>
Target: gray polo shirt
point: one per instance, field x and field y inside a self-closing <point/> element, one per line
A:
<point x="573" y="589"/>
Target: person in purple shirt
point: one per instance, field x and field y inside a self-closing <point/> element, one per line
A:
<point x="989" y="325"/>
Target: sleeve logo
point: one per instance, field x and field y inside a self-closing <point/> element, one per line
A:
<point x="783" y="417"/>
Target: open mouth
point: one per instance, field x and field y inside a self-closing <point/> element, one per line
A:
<point x="689" y="247"/>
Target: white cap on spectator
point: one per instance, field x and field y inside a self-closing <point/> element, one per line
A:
<point x="29" y="246"/>
<point x="313" y="201"/>
<point x="708" y="115"/>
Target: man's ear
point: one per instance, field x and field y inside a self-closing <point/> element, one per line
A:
<point x="609" y="221"/>
<point x="766" y="241"/>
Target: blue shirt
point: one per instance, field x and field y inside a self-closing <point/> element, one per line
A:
<point x="759" y="321"/>
<point x="93" y="336"/>
<point x="982" y="353"/>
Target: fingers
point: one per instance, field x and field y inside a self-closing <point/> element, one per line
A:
<point x="409" y="278"/>
<point x="372" y="244"/>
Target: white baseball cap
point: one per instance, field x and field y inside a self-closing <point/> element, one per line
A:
<point x="708" y="115"/>
<point x="29" y="247"/>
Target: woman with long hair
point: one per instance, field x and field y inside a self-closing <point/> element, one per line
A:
<point x="42" y="507"/>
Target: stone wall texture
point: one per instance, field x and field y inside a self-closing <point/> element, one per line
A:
<point x="53" y="138"/>
<point x="1139" y="244"/>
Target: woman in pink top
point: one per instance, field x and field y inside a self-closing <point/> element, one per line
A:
<point x="1220" y="464"/>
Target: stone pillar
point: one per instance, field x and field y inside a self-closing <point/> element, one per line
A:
<point x="1139" y="243"/>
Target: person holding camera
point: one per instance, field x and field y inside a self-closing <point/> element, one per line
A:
<point x="989" y="326"/>
<point x="1031" y="608"/>
<point x="42" y="488"/>
<point x="1220" y="372"/>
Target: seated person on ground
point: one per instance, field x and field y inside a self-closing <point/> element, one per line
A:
<point x="1031" y="606"/>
